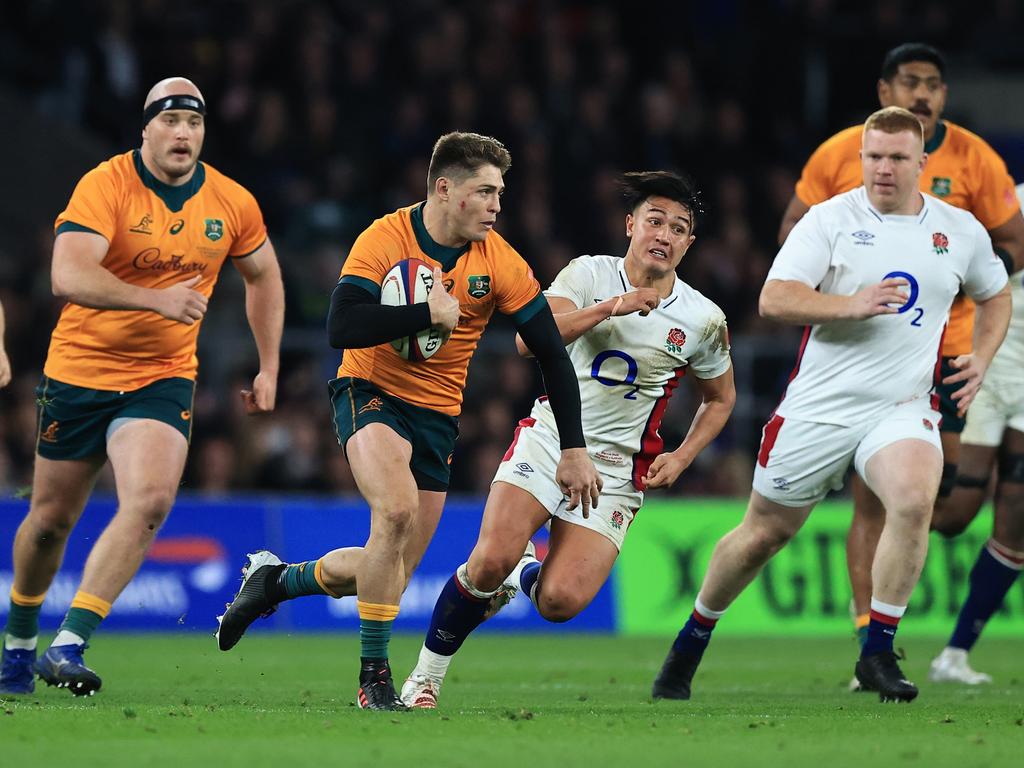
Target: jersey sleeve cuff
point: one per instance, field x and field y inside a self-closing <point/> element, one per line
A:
<point x="531" y="308"/>
<point x="362" y="282"/>
<point x="714" y="373"/>
<point x="249" y="252"/>
<point x="71" y="226"/>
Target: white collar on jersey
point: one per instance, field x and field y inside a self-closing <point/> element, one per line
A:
<point x="896" y="218"/>
<point x="628" y="286"/>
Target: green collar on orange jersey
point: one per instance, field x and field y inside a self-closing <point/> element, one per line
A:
<point x="174" y="197"/>
<point x="936" y="141"/>
<point x="447" y="256"/>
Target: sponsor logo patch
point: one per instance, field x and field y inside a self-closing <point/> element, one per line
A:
<point x="177" y="226"/>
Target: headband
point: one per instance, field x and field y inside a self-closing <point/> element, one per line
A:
<point x="181" y="101"/>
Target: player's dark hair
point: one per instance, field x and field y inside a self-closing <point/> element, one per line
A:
<point x="637" y="186"/>
<point x="459" y="155"/>
<point x="908" y="52"/>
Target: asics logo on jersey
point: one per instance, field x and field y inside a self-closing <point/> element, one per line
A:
<point x="177" y="226"/>
<point x="863" y="237"/>
<point x="142" y="227"/>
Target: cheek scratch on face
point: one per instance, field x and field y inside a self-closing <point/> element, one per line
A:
<point x="462" y="205"/>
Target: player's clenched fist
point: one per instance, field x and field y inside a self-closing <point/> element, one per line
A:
<point x="884" y="298"/>
<point x="641" y="300"/>
<point x="181" y="302"/>
<point x="444" y="308"/>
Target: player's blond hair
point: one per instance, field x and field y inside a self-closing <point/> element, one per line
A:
<point x="895" y="120"/>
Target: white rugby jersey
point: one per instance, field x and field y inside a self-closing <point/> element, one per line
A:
<point x="628" y="366"/>
<point x="849" y="369"/>
<point x="1008" y="364"/>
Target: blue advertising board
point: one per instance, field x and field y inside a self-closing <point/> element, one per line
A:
<point x="193" y="567"/>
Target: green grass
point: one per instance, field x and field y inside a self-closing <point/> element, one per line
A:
<point x="522" y="701"/>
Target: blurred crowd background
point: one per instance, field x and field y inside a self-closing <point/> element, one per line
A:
<point x="327" y="112"/>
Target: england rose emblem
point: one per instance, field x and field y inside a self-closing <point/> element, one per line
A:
<point x="676" y="339"/>
<point x="940" y="243"/>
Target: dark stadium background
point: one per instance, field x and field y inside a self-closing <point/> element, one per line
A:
<point x="327" y="111"/>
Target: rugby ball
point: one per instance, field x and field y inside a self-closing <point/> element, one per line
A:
<point x="408" y="282"/>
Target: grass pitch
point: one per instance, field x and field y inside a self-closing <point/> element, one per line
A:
<point x="560" y="700"/>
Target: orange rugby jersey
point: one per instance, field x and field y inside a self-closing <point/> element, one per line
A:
<point x="483" y="276"/>
<point x="962" y="169"/>
<point x="159" y="235"/>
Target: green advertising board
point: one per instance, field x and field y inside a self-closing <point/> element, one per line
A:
<point x="804" y="589"/>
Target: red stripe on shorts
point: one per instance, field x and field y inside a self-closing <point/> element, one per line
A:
<point x="527" y="422"/>
<point x="771" y="434"/>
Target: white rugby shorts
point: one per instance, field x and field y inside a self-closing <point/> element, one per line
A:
<point x="998" y="406"/>
<point x="801" y="461"/>
<point x="530" y="463"/>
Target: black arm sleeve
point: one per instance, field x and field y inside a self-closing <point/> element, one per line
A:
<point x="356" y="319"/>
<point x="541" y="335"/>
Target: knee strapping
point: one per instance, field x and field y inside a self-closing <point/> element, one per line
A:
<point x="1011" y="467"/>
<point x="966" y="481"/>
<point x="949" y="479"/>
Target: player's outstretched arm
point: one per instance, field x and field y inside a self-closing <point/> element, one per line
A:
<point x="791" y="301"/>
<point x="5" y="364"/>
<point x="576" y="474"/>
<point x="573" y="322"/>
<point x="794" y="212"/>
<point x="78" y="276"/>
<point x="991" y="319"/>
<point x="1008" y="242"/>
<point x="718" y="396"/>
<point x="264" y="308"/>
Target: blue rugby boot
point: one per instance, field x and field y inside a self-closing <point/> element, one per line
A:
<point x="16" y="671"/>
<point x="64" y="667"/>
